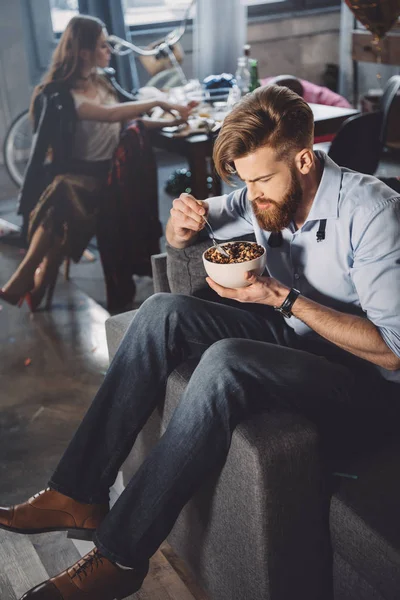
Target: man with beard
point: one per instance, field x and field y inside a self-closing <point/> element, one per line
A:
<point x="330" y="349"/>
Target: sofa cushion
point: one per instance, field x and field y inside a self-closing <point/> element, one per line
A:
<point x="349" y="585"/>
<point x="185" y="270"/>
<point x="365" y="521"/>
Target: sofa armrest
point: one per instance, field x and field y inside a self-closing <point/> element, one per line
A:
<point x="116" y="328"/>
<point x="159" y="268"/>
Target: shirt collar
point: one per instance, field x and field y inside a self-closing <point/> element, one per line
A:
<point x="326" y="201"/>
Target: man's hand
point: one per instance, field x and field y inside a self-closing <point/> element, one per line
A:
<point x="262" y="290"/>
<point x="355" y="334"/>
<point x="186" y="220"/>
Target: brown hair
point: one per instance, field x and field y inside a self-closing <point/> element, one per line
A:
<point x="81" y="33"/>
<point x="271" y="116"/>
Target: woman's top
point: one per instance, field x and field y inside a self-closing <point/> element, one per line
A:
<point x="55" y="121"/>
<point x="95" y="140"/>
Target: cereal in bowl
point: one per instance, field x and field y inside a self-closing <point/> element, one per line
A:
<point x="238" y="252"/>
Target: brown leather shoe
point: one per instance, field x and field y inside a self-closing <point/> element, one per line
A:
<point x="51" y="511"/>
<point x="94" y="577"/>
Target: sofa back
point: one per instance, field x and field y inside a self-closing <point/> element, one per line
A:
<point x="185" y="269"/>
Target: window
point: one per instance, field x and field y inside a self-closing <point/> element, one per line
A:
<point x="61" y="12"/>
<point x="254" y="2"/>
<point x="273" y="7"/>
<point x="152" y="12"/>
<point x="156" y="12"/>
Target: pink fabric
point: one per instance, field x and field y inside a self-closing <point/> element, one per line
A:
<point x="317" y="94"/>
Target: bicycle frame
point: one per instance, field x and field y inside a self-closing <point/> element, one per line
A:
<point x="164" y="48"/>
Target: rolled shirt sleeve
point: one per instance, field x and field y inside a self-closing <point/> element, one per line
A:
<point x="230" y="215"/>
<point x="376" y="269"/>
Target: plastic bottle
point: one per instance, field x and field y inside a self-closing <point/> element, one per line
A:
<point x="242" y="76"/>
<point x="254" y="81"/>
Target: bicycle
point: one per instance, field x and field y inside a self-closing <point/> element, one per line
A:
<point x="18" y="140"/>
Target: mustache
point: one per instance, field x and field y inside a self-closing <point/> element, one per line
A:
<point x="259" y="201"/>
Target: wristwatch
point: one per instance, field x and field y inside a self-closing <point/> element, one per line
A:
<point x="286" y="307"/>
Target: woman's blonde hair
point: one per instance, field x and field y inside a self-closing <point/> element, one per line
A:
<point x="271" y="116"/>
<point x="81" y="33"/>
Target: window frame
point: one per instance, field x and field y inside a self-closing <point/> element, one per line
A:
<point x="264" y="10"/>
<point x="276" y="9"/>
<point x="272" y="8"/>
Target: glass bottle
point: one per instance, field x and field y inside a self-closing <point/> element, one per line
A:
<point x="246" y="53"/>
<point x="242" y="76"/>
<point x="254" y="81"/>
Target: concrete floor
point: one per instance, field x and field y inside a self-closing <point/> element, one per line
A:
<point x="42" y="403"/>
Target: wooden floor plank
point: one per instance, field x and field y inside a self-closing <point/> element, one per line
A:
<point x="6" y="591"/>
<point x="55" y="551"/>
<point x="26" y="561"/>
<point x="21" y="562"/>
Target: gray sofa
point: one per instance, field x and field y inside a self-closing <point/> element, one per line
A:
<point x="267" y="525"/>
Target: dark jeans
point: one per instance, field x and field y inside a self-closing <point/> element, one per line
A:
<point x="250" y="361"/>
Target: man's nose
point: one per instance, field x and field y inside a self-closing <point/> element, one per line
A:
<point x="253" y="192"/>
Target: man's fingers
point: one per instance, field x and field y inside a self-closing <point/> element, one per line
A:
<point x="222" y="291"/>
<point x="199" y="206"/>
<point x="192" y="202"/>
<point x="186" y="221"/>
<point x="189" y="206"/>
<point x="250" y="276"/>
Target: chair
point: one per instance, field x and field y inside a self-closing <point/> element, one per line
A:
<point x="358" y="143"/>
<point x="387" y="104"/>
<point x="257" y="530"/>
<point x="89" y="256"/>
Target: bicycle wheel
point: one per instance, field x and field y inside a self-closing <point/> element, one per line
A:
<point x="17" y="147"/>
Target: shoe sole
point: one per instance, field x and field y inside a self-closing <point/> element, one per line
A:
<point x="79" y="534"/>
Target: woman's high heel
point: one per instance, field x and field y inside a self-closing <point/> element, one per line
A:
<point x="13" y="299"/>
<point x="28" y="298"/>
<point x="45" y="282"/>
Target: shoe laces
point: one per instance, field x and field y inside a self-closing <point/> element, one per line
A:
<point x="40" y="493"/>
<point x="88" y="564"/>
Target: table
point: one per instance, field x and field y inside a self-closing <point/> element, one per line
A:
<point x="197" y="149"/>
<point x="328" y="119"/>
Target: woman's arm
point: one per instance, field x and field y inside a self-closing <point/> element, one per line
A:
<point x="160" y="123"/>
<point x="127" y="110"/>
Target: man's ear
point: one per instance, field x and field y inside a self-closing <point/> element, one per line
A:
<point x="304" y="160"/>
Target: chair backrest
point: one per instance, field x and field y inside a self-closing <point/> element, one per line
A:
<point x="357" y="144"/>
<point x="387" y="103"/>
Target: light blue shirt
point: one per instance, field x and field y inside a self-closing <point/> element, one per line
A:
<point x="355" y="269"/>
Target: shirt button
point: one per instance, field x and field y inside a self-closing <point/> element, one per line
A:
<point x="296" y="276"/>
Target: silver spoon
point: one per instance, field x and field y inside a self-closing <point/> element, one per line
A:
<point x="214" y="241"/>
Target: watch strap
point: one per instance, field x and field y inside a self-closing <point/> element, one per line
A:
<point x="286" y="307"/>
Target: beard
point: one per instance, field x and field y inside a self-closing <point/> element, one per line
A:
<point x="280" y="214"/>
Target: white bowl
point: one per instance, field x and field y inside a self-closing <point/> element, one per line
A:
<point x="232" y="275"/>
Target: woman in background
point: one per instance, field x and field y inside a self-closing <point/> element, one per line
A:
<point x="84" y="176"/>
